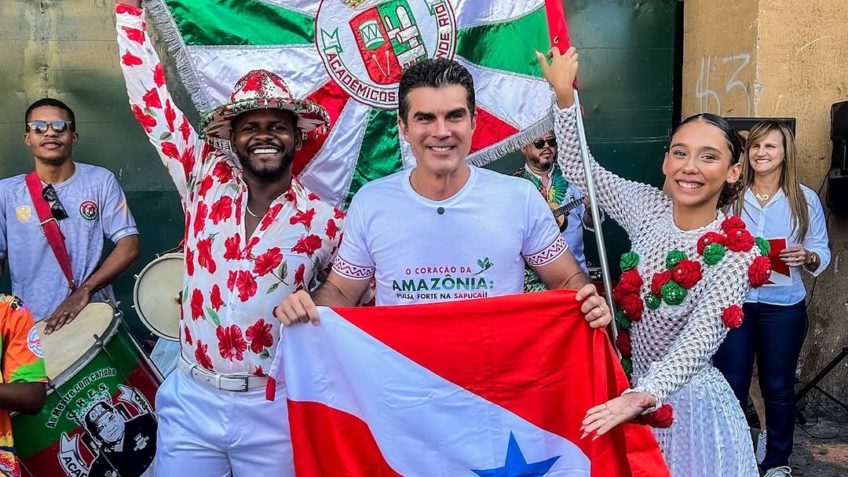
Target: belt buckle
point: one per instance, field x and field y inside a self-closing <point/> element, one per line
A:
<point x="245" y="384"/>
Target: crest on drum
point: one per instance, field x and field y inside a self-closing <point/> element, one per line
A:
<point x="116" y="435"/>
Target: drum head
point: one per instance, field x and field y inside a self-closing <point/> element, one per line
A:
<point x="157" y="295"/>
<point x="65" y="347"/>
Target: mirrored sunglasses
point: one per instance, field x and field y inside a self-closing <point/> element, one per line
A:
<point x="40" y="127"/>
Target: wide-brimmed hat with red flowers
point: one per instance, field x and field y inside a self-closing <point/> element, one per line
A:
<point x="262" y="89"/>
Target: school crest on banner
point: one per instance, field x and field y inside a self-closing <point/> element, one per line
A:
<point x="348" y="55"/>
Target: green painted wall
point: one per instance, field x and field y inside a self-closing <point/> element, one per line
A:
<point x="66" y="49"/>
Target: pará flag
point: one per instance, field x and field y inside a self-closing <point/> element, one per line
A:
<point x="490" y="387"/>
<point x="348" y="55"/>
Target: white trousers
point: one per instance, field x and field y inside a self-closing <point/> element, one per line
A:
<point x="207" y="432"/>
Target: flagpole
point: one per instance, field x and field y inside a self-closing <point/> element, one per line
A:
<point x="596" y="218"/>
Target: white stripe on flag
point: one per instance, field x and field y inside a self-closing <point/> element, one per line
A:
<point x="475" y="13"/>
<point x="307" y="7"/>
<point x="331" y="170"/>
<point x="220" y="67"/>
<point x="422" y="423"/>
<point x="492" y="89"/>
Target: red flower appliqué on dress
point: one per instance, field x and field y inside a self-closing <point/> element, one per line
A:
<point x="759" y="271"/>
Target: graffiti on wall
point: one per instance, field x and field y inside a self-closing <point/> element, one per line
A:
<point x="723" y="85"/>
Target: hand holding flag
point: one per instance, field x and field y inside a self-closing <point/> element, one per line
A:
<point x="561" y="73"/>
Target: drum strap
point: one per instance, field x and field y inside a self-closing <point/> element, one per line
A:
<point x="50" y="227"/>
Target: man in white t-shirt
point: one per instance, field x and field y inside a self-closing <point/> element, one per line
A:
<point x="444" y="230"/>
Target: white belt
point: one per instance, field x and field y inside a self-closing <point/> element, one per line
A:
<point x="224" y="382"/>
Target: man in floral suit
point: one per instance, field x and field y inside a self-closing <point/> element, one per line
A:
<point x="253" y="235"/>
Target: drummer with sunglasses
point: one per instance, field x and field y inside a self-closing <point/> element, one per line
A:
<point x="565" y="200"/>
<point x="84" y="201"/>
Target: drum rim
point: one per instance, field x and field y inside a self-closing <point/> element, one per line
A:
<point x="89" y="355"/>
<point x="138" y="311"/>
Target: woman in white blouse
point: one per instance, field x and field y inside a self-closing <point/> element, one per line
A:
<point x="777" y="207"/>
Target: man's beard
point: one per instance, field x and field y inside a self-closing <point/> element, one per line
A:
<point x="269" y="173"/>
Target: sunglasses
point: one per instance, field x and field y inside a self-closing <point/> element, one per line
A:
<point x="59" y="126"/>
<point x="49" y="194"/>
<point x="541" y="143"/>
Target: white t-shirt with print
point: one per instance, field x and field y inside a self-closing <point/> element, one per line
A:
<point x="471" y="245"/>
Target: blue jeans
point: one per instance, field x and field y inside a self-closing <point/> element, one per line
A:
<point x="774" y="335"/>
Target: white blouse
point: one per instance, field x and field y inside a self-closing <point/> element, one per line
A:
<point x="774" y="220"/>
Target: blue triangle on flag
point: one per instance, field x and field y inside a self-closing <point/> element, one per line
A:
<point x="516" y="465"/>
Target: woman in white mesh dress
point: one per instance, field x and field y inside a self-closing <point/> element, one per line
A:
<point x="681" y="287"/>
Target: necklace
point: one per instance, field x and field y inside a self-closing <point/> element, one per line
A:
<point x="762" y="197"/>
<point x="251" y="212"/>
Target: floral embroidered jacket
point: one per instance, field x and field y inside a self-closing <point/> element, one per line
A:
<point x="231" y="282"/>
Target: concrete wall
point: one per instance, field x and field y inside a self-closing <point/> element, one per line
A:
<point x="780" y="58"/>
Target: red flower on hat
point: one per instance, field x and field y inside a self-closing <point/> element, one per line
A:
<point x="268" y="261"/>
<point x="202" y="356"/>
<point x="759" y="271"/>
<point x="732" y="223"/>
<point x="622" y="342"/>
<point x="708" y="238"/>
<point x="251" y="82"/>
<point x="659" y="280"/>
<point x="304" y="218"/>
<point x="632" y="306"/>
<point x="204" y="255"/>
<point x="259" y="335"/>
<point x="215" y="297"/>
<point x="196" y="304"/>
<point x="662" y="418"/>
<point x="231" y="344"/>
<point x="686" y="273"/>
<point x="732" y="316"/>
<point x="307" y="245"/>
<point x="740" y="240"/>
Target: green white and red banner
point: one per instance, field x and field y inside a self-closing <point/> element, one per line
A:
<point x="348" y="56"/>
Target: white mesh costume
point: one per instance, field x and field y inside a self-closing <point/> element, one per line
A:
<point x="672" y="345"/>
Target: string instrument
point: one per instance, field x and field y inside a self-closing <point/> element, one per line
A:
<point x="560" y="211"/>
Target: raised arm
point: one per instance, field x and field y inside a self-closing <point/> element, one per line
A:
<point x="166" y="127"/>
<point x="627" y="202"/>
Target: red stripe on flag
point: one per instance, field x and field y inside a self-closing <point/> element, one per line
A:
<point x="558" y="27"/>
<point x="333" y="98"/>
<point x="490" y="130"/>
<point x="354" y="448"/>
<point x="540" y="344"/>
